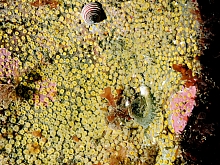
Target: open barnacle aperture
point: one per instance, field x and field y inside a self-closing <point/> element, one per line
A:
<point x="141" y="108"/>
<point x="93" y="13"/>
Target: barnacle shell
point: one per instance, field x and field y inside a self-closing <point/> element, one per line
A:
<point x="93" y="13"/>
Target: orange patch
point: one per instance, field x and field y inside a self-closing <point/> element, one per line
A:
<point x="111" y="118"/>
<point x="97" y="164"/>
<point x="75" y="138"/>
<point x="52" y="3"/>
<point x="36" y="133"/>
<point x="108" y="95"/>
<point x="186" y="74"/>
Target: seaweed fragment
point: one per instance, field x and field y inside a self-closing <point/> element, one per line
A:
<point x="190" y="80"/>
<point x="108" y="95"/>
<point x="117" y="111"/>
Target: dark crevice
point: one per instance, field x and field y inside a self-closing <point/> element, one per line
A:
<point x="200" y="139"/>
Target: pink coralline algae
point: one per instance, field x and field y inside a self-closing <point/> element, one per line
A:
<point x="8" y="65"/>
<point x="46" y="92"/>
<point x="182" y="104"/>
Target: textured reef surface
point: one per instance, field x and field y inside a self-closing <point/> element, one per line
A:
<point x="108" y="83"/>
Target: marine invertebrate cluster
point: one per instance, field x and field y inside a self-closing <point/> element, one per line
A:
<point x="8" y="66"/>
<point x="33" y="148"/>
<point x="66" y="59"/>
<point x="182" y="104"/>
<point x="46" y="92"/>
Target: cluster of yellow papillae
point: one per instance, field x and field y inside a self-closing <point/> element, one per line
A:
<point x="137" y="44"/>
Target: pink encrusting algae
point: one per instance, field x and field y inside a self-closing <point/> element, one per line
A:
<point x="8" y="65"/>
<point x="182" y="104"/>
<point x="47" y="91"/>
